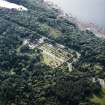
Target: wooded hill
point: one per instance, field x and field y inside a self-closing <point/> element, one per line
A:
<point x="25" y="80"/>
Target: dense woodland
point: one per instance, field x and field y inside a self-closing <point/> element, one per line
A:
<point x="24" y="80"/>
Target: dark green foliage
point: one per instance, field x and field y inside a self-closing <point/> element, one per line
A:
<point x="71" y="90"/>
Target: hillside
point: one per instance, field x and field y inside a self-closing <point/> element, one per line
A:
<point x="45" y="59"/>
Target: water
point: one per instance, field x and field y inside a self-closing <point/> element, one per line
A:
<point x="85" y="10"/>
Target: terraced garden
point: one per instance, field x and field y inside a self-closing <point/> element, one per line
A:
<point x="54" y="56"/>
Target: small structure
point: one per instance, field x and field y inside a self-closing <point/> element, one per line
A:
<point x="26" y="41"/>
<point x="41" y="40"/>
